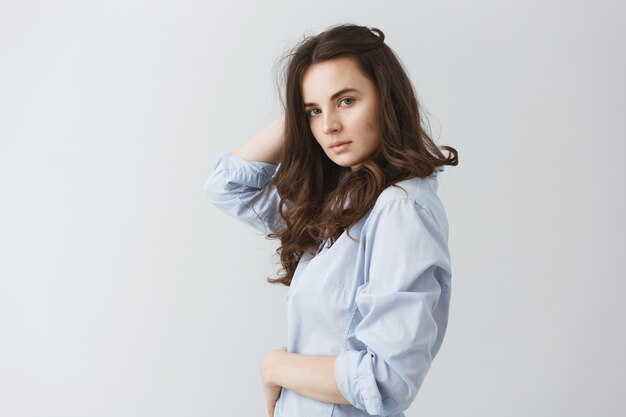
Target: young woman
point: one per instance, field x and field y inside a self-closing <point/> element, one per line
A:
<point x="346" y="178"/>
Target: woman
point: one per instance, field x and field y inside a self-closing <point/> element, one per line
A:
<point x="363" y="234"/>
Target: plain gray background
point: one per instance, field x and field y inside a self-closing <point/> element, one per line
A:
<point x="124" y="293"/>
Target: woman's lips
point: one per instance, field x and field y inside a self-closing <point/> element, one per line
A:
<point x="341" y="147"/>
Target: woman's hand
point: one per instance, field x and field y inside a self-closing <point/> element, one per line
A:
<point x="270" y="390"/>
<point x="267" y="145"/>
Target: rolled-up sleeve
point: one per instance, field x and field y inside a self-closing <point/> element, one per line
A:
<point x="243" y="190"/>
<point x="403" y="304"/>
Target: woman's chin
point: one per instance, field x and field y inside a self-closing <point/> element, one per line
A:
<point x="342" y="161"/>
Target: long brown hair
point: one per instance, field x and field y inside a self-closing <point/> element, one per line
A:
<point x="314" y="190"/>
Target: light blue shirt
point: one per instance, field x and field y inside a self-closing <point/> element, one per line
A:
<point x="379" y="304"/>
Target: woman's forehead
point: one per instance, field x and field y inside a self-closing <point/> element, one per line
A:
<point x="324" y="80"/>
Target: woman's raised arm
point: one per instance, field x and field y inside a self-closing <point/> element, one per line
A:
<point x="265" y="146"/>
<point x="240" y="183"/>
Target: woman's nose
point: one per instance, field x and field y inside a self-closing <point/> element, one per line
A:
<point x="331" y="123"/>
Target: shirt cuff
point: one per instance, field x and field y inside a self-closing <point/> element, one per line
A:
<point x="243" y="172"/>
<point x="353" y="374"/>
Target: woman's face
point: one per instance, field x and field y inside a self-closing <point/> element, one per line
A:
<point x="342" y="106"/>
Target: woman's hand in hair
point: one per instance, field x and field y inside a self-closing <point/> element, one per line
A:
<point x="265" y="146"/>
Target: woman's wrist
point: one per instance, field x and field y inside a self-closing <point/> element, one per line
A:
<point x="265" y="146"/>
<point x="269" y="363"/>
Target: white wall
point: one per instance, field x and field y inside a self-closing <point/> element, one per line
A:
<point x="123" y="292"/>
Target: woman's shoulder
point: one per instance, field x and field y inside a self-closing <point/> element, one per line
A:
<point x="422" y="191"/>
<point x="399" y="203"/>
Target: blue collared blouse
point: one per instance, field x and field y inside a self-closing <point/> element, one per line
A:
<point x="378" y="303"/>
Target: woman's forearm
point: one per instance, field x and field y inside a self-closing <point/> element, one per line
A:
<point x="265" y="146"/>
<point x="310" y="375"/>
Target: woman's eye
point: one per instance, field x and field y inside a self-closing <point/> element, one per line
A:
<point x="350" y="101"/>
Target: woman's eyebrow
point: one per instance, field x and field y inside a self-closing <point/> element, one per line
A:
<point x="337" y="94"/>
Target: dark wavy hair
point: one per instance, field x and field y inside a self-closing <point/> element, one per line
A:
<point x="313" y="189"/>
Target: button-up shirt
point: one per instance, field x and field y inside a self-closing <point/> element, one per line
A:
<point x="377" y="301"/>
